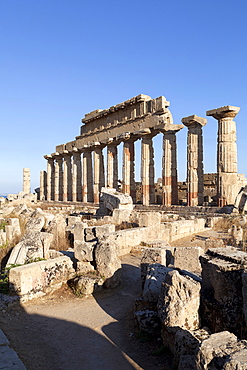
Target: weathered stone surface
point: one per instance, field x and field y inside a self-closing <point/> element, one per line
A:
<point x="72" y="220"/>
<point x="78" y="230"/>
<point x="36" y="279"/>
<point x="187" y="258"/>
<point x="36" y="222"/>
<point x="222" y="351"/>
<point x="107" y="263"/>
<point x="32" y="246"/>
<point x="221" y="295"/>
<point x="86" y="284"/>
<point x="149" y="256"/>
<point x="148" y="321"/>
<point x="213" y="243"/>
<point x="84" y="250"/>
<point x="149" y="219"/>
<point x="179" y="301"/>
<point x="57" y="226"/>
<point x="103" y="230"/>
<point x="83" y="267"/>
<point x="120" y="215"/>
<point x="89" y="234"/>
<point x="113" y="199"/>
<point x="156" y="274"/>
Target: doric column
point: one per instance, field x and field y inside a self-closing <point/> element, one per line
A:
<point x="58" y="178"/>
<point x="67" y="177"/>
<point x="195" y="181"/>
<point x="50" y="177"/>
<point x="87" y="187"/>
<point x="147" y="170"/>
<point x="112" y="166"/>
<point x="169" y="166"/>
<point x="99" y="173"/>
<point x="26" y="181"/>
<point x="76" y="176"/>
<point x="128" y="172"/>
<point x="227" y="187"/>
<point x="43" y="185"/>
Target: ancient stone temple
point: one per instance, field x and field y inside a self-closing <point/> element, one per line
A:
<point x="76" y="171"/>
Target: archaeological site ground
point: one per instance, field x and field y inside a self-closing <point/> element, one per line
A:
<point x="99" y="271"/>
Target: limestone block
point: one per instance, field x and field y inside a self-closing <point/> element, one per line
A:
<point x="148" y="321"/>
<point x="179" y="301"/>
<point x="89" y="234"/>
<point x="36" y="222"/>
<point x="32" y="246"/>
<point x="12" y="232"/>
<point x="52" y="253"/>
<point x="71" y="220"/>
<point x="113" y="199"/>
<point x="149" y="219"/>
<point x="83" y="267"/>
<point x="213" y="243"/>
<point x="78" y="230"/>
<point x="84" y="250"/>
<point x="222" y="351"/>
<point x="104" y="230"/>
<point x="35" y="279"/>
<point x="221" y="295"/>
<point x="57" y="226"/>
<point x="149" y="256"/>
<point x="3" y="237"/>
<point x="120" y="215"/>
<point x="86" y="284"/>
<point x="156" y="275"/>
<point x="187" y="258"/>
<point x="107" y="262"/>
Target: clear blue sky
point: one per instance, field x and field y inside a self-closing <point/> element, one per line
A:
<point x="60" y="59"/>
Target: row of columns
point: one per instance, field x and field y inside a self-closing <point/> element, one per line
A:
<point x="72" y="178"/>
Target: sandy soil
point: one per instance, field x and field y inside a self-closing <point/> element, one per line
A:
<point x="62" y="331"/>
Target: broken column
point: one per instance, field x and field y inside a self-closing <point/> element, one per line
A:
<point x="194" y="159"/>
<point x="169" y="166"/>
<point x="76" y="176"/>
<point x="147" y="170"/>
<point x="26" y="181"/>
<point x="43" y="185"/>
<point x="112" y="166"/>
<point x="87" y="187"/>
<point x="227" y="187"/>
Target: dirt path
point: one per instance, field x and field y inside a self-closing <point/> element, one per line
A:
<point x="62" y="331"/>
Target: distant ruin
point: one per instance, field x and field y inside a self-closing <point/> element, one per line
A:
<point x="72" y="177"/>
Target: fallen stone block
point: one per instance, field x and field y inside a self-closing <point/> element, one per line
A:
<point x="148" y="321"/>
<point x="36" y="222"/>
<point x="107" y="263"/>
<point x="103" y="230"/>
<point x="113" y="199"/>
<point x="84" y="250"/>
<point x="86" y="285"/>
<point x="149" y="219"/>
<point x="89" y="234"/>
<point x="156" y="275"/>
<point x="83" y="267"/>
<point x="187" y="258"/>
<point x="78" y="230"/>
<point x="213" y="243"/>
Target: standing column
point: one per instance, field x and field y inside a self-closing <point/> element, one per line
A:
<point x="129" y="169"/>
<point x="76" y="176"/>
<point x="112" y="166"/>
<point x="227" y="186"/>
<point x="26" y="181"/>
<point x="195" y="180"/>
<point x="58" y="179"/>
<point x="99" y="173"/>
<point x="147" y="170"/>
<point x="50" y="177"/>
<point x="87" y="188"/>
<point x="67" y="177"/>
<point x="169" y="166"/>
<point x="43" y="185"/>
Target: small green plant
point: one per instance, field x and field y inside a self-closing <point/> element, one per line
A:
<point x="4" y="283"/>
<point x="2" y="225"/>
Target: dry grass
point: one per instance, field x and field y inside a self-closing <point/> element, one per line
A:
<point x="126" y="225"/>
<point x="60" y="243"/>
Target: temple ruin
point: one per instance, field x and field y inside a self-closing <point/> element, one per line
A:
<point x="76" y="170"/>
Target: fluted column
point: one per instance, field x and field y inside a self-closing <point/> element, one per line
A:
<point x="227" y="185"/>
<point x="50" y="177"/>
<point x="129" y="168"/>
<point x="112" y="166"/>
<point x="58" y="179"/>
<point x="195" y="180"/>
<point x="26" y="181"/>
<point x="147" y="170"/>
<point x="87" y="187"/>
<point x="43" y="185"/>
<point x="67" y="177"/>
<point x="99" y="173"/>
<point x="76" y="176"/>
<point x="169" y="166"/>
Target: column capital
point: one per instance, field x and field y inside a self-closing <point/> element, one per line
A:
<point x="172" y="129"/>
<point x="227" y="111"/>
<point x="48" y="157"/>
<point x="194" y="120"/>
